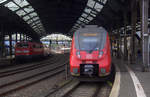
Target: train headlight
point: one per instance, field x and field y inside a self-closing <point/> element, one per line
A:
<point x="101" y="54"/>
<point x="75" y="70"/>
<point x="103" y="70"/>
<point x="78" y="54"/>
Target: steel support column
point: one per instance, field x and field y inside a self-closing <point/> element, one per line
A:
<point x="23" y="37"/>
<point x="50" y="43"/>
<point x="16" y="37"/>
<point x="2" y="43"/>
<point x="133" y="25"/>
<point x="111" y="45"/>
<point x="125" y="37"/>
<point x="118" y="44"/>
<point x="26" y="38"/>
<point x="20" y="37"/>
<point x="10" y="44"/>
<point x="57" y="40"/>
<point x="145" y="38"/>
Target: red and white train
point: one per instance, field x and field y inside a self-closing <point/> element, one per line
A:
<point x="90" y="55"/>
<point x="30" y="50"/>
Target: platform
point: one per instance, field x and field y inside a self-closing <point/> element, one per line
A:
<point x="6" y="60"/>
<point x="133" y="82"/>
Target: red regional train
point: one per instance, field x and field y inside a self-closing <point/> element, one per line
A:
<point x="28" y="50"/>
<point x="90" y="56"/>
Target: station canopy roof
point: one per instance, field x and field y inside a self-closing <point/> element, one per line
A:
<point x="25" y="11"/>
<point x="56" y="37"/>
<point x="43" y="17"/>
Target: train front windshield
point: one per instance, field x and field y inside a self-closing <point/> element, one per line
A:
<point x="90" y="41"/>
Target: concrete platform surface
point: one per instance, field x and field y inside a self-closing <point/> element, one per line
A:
<point x="133" y="82"/>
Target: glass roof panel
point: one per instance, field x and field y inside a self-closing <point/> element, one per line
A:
<point x="20" y="12"/>
<point x="29" y="9"/>
<point x="1" y="1"/>
<point x="41" y="29"/>
<point x="94" y="15"/>
<point x="21" y="3"/>
<point x="81" y="19"/>
<point x="22" y="8"/>
<point x="12" y="6"/>
<point x="25" y="18"/>
<point x="90" y="3"/>
<point x="88" y="10"/>
<point x="86" y="21"/>
<point x="104" y="1"/>
<point x="29" y="21"/>
<point x="91" y="10"/>
<point x="35" y="18"/>
<point x="98" y="7"/>
<point x="33" y="24"/>
<point x="37" y="22"/>
<point x="90" y="18"/>
<point x="36" y="29"/>
<point x="33" y="14"/>
<point x="40" y="26"/>
<point x="94" y="12"/>
<point x="84" y="15"/>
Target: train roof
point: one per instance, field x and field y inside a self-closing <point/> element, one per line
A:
<point x="91" y="28"/>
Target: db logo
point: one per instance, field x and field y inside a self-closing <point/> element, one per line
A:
<point x="88" y="56"/>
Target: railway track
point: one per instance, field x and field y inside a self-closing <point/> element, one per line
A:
<point x="27" y="67"/>
<point x="84" y="90"/>
<point x="80" y="89"/>
<point x="17" y="81"/>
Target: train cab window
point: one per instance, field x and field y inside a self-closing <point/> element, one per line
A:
<point x="23" y="45"/>
<point x="90" y="41"/>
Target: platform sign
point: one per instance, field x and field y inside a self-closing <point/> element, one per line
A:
<point x="89" y="34"/>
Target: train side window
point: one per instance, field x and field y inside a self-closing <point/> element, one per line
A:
<point x="23" y="45"/>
